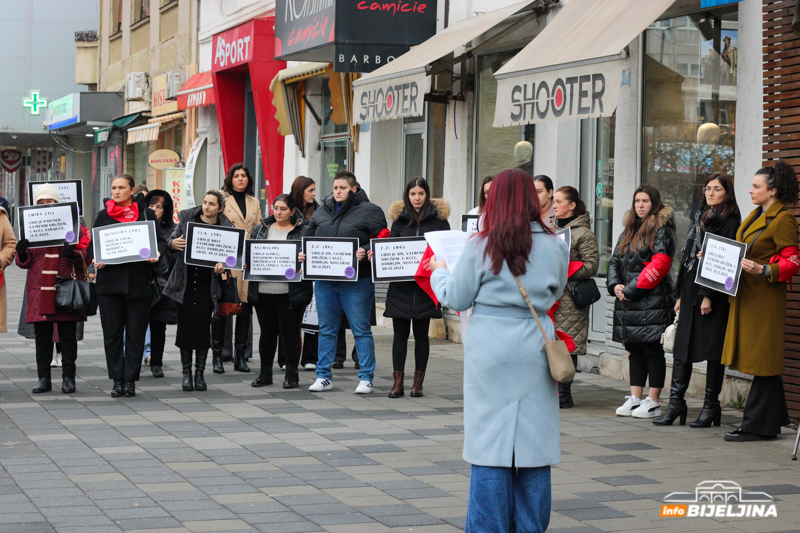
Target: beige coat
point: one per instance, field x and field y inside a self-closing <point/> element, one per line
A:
<point x="240" y="221"/>
<point x="8" y="249"/>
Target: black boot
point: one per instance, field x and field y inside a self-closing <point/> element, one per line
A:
<point x="68" y="384"/>
<point x="158" y="372"/>
<point x="186" y="362"/>
<point x="216" y="362"/>
<point x="681" y="374"/>
<point x="712" y="412"/>
<point x="239" y="362"/>
<point x="44" y="385"/>
<point x="264" y="378"/>
<point x="116" y="390"/>
<point x="129" y="389"/>
<point x="199" y="369"/>
<point x="565" y="396"/>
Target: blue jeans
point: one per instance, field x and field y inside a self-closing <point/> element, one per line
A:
<point x="355" y="300"/>
<point x="508" y="499"/>
<point x="146" y="345"/>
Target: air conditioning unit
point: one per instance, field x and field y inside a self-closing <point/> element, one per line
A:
<point x="135" y="86"/>
<point x="175" y="80"/>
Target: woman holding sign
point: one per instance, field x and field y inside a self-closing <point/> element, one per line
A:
<point x="511" y="420"/>
<point x="754" y="340"/>
<point x="704" y="311"/>
<point x="638" y="276"/>
<point x="124" y="292"/>
<point x="193" y="287"/>
<point x="304" y="193"/>
<point x="406" y="303"/>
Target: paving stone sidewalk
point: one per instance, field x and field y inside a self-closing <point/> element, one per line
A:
<point x="237" y="458"/>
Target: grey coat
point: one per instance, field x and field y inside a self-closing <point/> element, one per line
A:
<point x="510" y="399"/>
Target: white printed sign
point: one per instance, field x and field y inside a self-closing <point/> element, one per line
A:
<point x="271" y="261"/>
<point x="469" y="224"/>
<point x="331" y="259"/>
<point x="68" y="191"/>
<point x="720" y="265"/>
<point x="396" y="259"/>
<point x="207" y="245"/>
<point x="125" y="243"/>
<point x="566" y="236"/>
<point x="310" y="322"/>
<point x="49" y="224"/>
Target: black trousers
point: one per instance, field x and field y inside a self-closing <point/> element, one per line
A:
<point x="118" y="314"/>
<point x="158" y="338"/>
<point x="422" y="345"/>
<point x="765" y="411"/>
<point x="647" y="359"/>
<point x="276" y="319"/>
<point x="229" y="336"/>
<point x="68" y="342"/>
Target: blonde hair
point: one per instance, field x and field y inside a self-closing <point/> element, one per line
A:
<point x="220" y="197"/>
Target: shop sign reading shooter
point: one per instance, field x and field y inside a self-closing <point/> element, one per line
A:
<point x="49" y="224"/>
<point x="125" y="243"/>
<point x="207" y="245"/>
<point x="266" y="260"/>
<point x="330" y="258"/>
<point x="396" y="259"/>
<point x="720" y="265"/>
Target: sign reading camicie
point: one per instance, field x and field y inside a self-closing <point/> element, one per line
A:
<point x="303" y="25"/>
<point x="125" y="243"/>
<point x="574" y="93"/>
<point x="49" y="224"/>
<point x="386" y="100"/>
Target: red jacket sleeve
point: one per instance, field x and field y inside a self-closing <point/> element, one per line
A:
<point x="788" y="260"/>
<point x="654" y="271"/>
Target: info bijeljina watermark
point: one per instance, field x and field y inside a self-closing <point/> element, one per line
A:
<point x="719" y="499"/>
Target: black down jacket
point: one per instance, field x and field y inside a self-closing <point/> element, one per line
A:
<point x="405" y="299"/>
<point x="300" y="293"/>
<point x="356" y="218"/>
<point x="166" y="310"/>
<point x="646" y="313"/>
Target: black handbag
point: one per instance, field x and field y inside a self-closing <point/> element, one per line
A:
<point x="584" y="293"/>
<point x="76" y="296"/>
<point x="228" y="298"/>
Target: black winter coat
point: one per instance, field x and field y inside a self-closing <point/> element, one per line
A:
<point x="646" y="313"/>
<point x="357" y="218"/>
<point x="406" y="299"/>
<point x="165" y="311"/>
<point x="700" y="337"/>
<point x="300" y="293"/>
<point x="135" y="280"/>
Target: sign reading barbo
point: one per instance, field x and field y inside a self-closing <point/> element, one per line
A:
<point x="207" y="245"/>
<point x="125" y="243"/>
<point x="266" y="260"/>
<point x="720" y="265"/>
<point x="330" y="259"/>
<point x="68" y="191"/>
<point x="396" y="259"/>
<point x="49" y="224"/>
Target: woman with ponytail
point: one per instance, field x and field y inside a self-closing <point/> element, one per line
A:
<point x="755" y="338"/>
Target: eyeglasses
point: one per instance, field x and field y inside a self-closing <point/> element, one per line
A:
<point x="713" y="189"/>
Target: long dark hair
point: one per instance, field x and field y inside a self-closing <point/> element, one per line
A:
<point x="573" y="197"/>
<point x="728" y="207"/>
<point x="646" y="233"/>
<point x="169" y="207"/>
<point x="289" y="201"/>
<point x="227" y="186"/>
<point x="482" y="195"/>
<point x="414" y="216"/>
<point x="781" y="176"/>
<point x="510" y="209"/>
<point x="299" y="186"/>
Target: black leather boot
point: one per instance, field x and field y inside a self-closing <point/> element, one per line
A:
<point x="216" y="362"/>
<point x="264" y="378"/>
<point x="158" y="372"/>
<point x="711" y="414"/>
<point x="68" y="384"/>
<point x="116" y="390"/>
<point x="239" y="362"/>
<point x="129" y="389"/>
<point x="681" y="374"/>
<point x="199" y="369"/>
<point x="565" y="395"/>
<point x="44" y="385"/>
<point x="186" y="362"/>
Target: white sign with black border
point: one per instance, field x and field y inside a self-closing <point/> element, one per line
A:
<point x="396" y="259"/>
<point x="310" y="323"/>
<point x="49" y="224"/>
<point x="208" y="244"/>
<point x="125" y="243"/>
<point x="330" y="258"/>
<point x="469" y="224"/>
<point x="566" y="236"/>
<point x="720" y="266"/>
<point x="68" y="191"/>
<point x="266" y="260"/>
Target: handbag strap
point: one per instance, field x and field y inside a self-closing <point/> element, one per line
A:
<point x="530" y="306"/>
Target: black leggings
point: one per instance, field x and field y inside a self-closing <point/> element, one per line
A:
<point x="276" y="318"/>
<point x="44" y="347"/>
<point x="422" y="346"/>
<point x="647" y="358"/>
<point x="158" y="338"/>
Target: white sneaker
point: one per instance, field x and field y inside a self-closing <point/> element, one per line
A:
<point x="56" y="362"/>
<point x="364" y="387"/>
<point x="321" y="385"/>
<point x="649" y="408"/>
<point x="631" y="403"/>
<point x="310" y="366"/>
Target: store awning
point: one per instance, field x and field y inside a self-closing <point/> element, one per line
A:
<point x="148" y="132"/>
<point x="164" y="119"/>
<point x="123" y="122"/>
<point x="573" y="69"/>
<point x="288" y="89"/>
<point x="398" y="88"/>
<point x="197" y="92"/>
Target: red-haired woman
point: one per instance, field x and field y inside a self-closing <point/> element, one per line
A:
<point x="511" y="427"/>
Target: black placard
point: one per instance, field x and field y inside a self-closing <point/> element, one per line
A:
<point x="208" y="244"/>
<point x="392" y="258"/>
<point x="315" y="268"/>
<point x="285" y="266"/>
<point x="720" y="266"/>
<point x="125" y="243"/>
<point x="68" y="191"/>
<point x="49" y="224"/>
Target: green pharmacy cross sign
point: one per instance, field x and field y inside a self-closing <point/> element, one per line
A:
<point x="34" y="103"/>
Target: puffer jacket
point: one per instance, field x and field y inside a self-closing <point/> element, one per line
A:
<point x="357" y="218"/>
<point x="300" y="293"/>
<point x="649" y="290"/>
<point x="583" y="247"/>
<point x="406" y="299"/>
<point x="166" y="310"/>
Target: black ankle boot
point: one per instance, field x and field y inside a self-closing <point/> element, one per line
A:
<point x="129" y="389"/>
<point x="158" y="372"/>
<point x="239" y="362"/>
<point x="68" y="384"/>
<point x="216" y="362"/>
<point x="264" y="378"/>
<point x="44" y="385"/>
<point x="116" y="390"/>
<point x="186" y="362"/>
<point x="711" y="414"/>
<point x="565" y="396"/>
<point x="681" y="374"/>
<point x="199" y="369"/>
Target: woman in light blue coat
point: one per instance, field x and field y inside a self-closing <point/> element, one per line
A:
<point x="511" y="416"/>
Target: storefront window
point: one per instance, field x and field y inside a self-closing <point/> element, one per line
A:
<point x="690" y="108"/>
<point x="597" y="182"/>
<point x="335" y="146"/>
<point x="436" y="137"/>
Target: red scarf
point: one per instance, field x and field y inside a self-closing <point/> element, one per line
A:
<point x="122" y="214"/>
